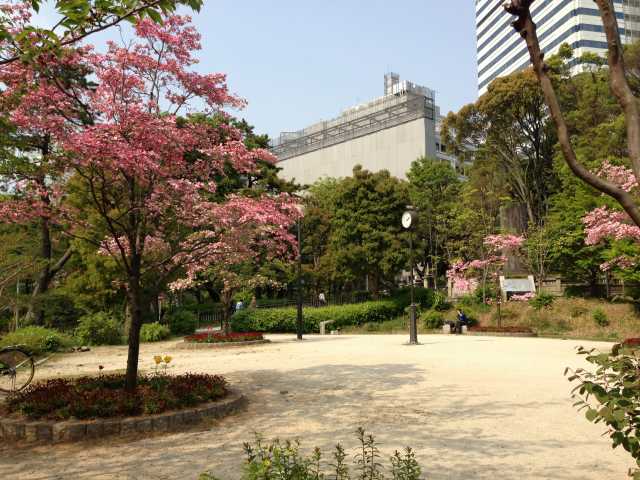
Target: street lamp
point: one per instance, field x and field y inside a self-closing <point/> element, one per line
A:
<point x="409" y="219"/>
<point x="299" y="323"/>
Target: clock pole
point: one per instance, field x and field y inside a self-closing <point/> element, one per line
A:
<point x="408" y="222"/>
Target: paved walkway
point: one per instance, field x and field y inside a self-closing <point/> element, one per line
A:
<point x="471" y="407"/>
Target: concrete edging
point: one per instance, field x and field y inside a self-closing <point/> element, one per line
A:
<point x="205" y="346"/>
<point x="503" y="334"/>
<point x="46" y="432"/>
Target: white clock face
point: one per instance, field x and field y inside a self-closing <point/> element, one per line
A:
<point x="406" y="220"/>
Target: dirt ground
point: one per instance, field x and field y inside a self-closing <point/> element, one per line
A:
<point x="472" y="408"/>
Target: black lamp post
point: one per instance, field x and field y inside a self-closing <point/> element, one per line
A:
<point x="409" y="219"/>
<point x="299" y="323"/>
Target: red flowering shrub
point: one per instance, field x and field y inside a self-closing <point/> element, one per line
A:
<point x="512" y="329"/>
<point x="631" y="342"/>
<point x="104" y="396"/>
<point x="207" y="337"/>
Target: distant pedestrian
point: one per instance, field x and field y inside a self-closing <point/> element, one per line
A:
<point x="254" y="302"/>
<point x="239" y="305"/>
<point x="322" y="299"/>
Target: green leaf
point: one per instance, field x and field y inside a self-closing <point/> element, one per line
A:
<point x="591" y="414"/>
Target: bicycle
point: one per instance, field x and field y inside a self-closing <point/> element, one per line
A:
<point x="17" y="369"/>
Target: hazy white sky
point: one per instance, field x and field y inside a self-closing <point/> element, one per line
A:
<point x="298" y="62"/>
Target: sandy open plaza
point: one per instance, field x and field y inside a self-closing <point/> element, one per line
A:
<point x="472" y="408"/>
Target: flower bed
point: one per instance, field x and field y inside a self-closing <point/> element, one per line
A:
<point x="104" y="396"/>
<point x="206" y="337"/>
<point x="631" y="342"/>
<point x="507" y="329"/>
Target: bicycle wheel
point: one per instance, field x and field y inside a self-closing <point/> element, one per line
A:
<point x="16" y="370"/>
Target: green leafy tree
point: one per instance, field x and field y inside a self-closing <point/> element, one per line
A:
<point x="434" y="190"/>
<point x="510" y="127"/>
<point x="367" y="239"/>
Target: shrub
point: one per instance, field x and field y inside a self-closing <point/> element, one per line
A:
<point x="432" y="320"/>
<point x="440" y="302"/>
<point x="37" y="340"/>
<point x="59" y="311"/>
<point x="182" y="322"/>
<point x="99" y="329"/>
<point x="600" y="318"/>
<point x="542" y="300"/>
<point x="490" y="291"/>
<point x="611" y="395"/>
<point x="278" y="460"/>
<point x="104" y="396"/>
<point x="154" y="332"/>
<point x="284" y="319"/>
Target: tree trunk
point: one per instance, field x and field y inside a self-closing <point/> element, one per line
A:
<point x="619" y="85"/>
<point x="135" y="302"/>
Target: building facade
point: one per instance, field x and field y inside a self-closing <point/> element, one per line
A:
<point x="501" y="51"/>
<point x="387" y="133"/>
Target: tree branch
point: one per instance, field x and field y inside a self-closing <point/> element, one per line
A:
<point x="525" y="26"/>
<point x="619" y="84"/>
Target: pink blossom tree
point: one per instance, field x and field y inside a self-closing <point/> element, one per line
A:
<point x="462" y="273"/>
<point x="37" y="105"/>
<point x="143" y="179"/>
<point x="612" y="224"/>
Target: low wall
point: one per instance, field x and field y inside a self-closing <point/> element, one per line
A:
<point x="45" y="432"/>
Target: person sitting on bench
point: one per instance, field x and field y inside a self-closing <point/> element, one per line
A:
<point x="461" y="321"/>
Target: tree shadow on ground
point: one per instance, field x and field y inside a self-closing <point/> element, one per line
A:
<point x="456" y="434"/>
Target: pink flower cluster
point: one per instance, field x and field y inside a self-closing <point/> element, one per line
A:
<point x="497" y="243"/>
<point x="524" y="297"/>
<point x="621" y="176"/>
<point x="622" y="262"/>
<point x="604" y="223"/>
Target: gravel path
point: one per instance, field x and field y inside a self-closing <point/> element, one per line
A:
<point x="471" y="407"/>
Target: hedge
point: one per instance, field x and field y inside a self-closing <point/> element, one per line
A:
<point x="283" y="320"/>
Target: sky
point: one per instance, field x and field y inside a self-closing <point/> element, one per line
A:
<point x="300" y="62"/>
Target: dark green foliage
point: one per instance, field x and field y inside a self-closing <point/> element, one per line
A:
<point x="432" y="320"/>
<point x="611" y="394"/>
<point x="154" y="332"/>
<point x="440" y="302"/>
<point x="100" y="328"/>
<point x="489" y="291"/>
<point x="104" y="396"/>
<point x="542" y="300"/>
<point x="600" y="318"/>
<point x="284" y="319"/>
<point x="366" y="237"/>
<point x="182" y="322"/>
<point x="434" y="190"/>
<point x="284" y="460"/>
<point x="424" y="297"/>
<point x="37" y="340"/>
<point x="59" y="311"/>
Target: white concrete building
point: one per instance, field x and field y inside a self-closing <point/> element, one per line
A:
<point x="387" y="133"/>
<point x="501" y="51"/>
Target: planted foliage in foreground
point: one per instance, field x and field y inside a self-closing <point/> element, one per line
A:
<point x="611" y="395"/>
<point x="284" y="461"/>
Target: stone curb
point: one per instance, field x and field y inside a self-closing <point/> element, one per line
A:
<point x="503" y="334"/>
<point x="47" y="432"/>
<point x="206" y="346"/>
